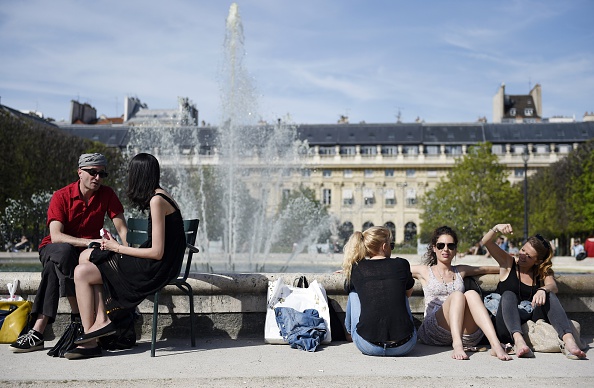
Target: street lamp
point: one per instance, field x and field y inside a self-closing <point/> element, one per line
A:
<point x="525" y="157"/>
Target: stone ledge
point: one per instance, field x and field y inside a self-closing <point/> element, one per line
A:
<point x="234" y="305"/>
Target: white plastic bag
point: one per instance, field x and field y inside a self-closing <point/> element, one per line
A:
<point x="12" y="288"/>
<point x="298" y="298"/>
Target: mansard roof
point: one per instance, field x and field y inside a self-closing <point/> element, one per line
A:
<point x="376" y="134"/>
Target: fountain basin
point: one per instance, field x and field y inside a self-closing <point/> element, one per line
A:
<point x="233" y="305"/>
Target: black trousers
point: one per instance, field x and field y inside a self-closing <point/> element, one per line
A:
<point x="57" y="278"/>
<point x="508" y="321"/>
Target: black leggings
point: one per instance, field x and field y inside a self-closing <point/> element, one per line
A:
<point x="508" y="322"/>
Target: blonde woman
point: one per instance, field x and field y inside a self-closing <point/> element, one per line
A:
<point x="452" y="316"/>
<point x="378" y="315"/>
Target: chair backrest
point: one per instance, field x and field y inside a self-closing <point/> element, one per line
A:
<point x="137" y="231"/>
<point x="137" y="234"/>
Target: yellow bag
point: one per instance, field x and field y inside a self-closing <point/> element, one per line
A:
<point x="15" y="321"/>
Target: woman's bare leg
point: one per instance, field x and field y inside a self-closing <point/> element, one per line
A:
<point x="478" y="316"/>
<point x="89" y="294"/>
<point x="451" y="318"/>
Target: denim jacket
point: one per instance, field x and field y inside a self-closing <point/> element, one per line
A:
<point x="302" y="330"/>
<point x="492" y="304"/>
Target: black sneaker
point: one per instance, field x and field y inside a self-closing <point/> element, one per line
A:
<point x="29" y="342"/>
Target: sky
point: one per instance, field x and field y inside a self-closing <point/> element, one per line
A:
<point x="309" y="61"/>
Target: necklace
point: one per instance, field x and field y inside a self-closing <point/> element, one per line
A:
<point x="444" y="282"/>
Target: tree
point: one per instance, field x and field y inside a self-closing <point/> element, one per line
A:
<point x="473" y="196"/>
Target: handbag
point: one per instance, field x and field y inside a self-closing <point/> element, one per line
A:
<point x="542" y="336"/>
<point x="300" y="296"/>
<point x="15" y="316"/>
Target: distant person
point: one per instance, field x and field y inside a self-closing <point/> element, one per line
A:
<point x="527" y="290"/>
<point x="577" y="250"/>
<point x="113" y="276"/>
<point x="74" y="217"/>
<point x="513" y="249"/>
<point x="22" y="246"/>
<point x="453" y="316"/>
<point x="589" y="246"/>
<point x="378" y="316"/>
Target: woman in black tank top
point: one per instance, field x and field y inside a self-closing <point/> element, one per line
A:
<point x="527" y="287"/>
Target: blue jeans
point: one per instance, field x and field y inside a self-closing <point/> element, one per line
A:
<point x="353" y="311"/>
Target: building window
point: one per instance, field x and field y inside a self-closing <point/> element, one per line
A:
<point x="368" y="150"/>
<point x="286" y="194"/>
<point x="348" y="173"/>
<point x="528" y="112"/>
<point x="327" y="150"/>
<point x="348" y="150"/>
<point x="327" y="197"/>
<point x="410" y="172"/>
<point x="411" y="197"/>
<point x="286" y="172"/>
<point x="432" y="150"/>
<point x="431" y="173"/>
<point x="453" y="150"/>
<point x="389" y="172"/>
<point x="389" y="197"/>
<point x="327" y="173"/>
<point x="564" y="148"/>
<point x="410" y="150"/>
<point x="542" y="149"/>
<point x="347" y="197"/>
<point x="368" y="198"/>
<point x="512" y="112"/>
<point x="497" y="149"/>
<point x="389" y="150"/>
<point x="519" y="172"/>
<point x="306" y="172"/>
<point x="368" y="173"/>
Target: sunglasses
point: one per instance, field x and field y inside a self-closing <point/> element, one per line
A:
<point x="543" y="241"/>
<point x="451" y="246"/>
<point x="392" y="245"/>
<point x="93" y="172"/>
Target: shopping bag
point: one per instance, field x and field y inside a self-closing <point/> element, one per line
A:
<point x="15" y="314"/>
<point x="300" y="297"/>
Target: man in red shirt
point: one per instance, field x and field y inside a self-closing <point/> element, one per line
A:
<point x="74" y="217"/>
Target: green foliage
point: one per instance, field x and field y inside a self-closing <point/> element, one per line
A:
<point x="474" y="195"/>
<point x="39" y="158"/>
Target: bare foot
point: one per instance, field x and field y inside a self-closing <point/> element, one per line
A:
<point x="523" y="351"/>
<point x="499" y="352"/>
<point x="572" y="348"/>
<point x="459" y="354"/>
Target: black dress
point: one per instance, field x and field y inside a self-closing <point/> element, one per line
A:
<point x="127" y="280"/>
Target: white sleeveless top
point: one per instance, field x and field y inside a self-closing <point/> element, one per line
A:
<point x="436" y="292"/>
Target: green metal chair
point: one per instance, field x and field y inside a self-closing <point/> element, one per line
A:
<point x="137" y="234"/>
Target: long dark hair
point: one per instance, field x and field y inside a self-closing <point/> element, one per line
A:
<point x="143" y="179"/>
<point x="430" y="256"/>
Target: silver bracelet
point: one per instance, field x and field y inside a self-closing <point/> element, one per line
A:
<point x="495" y="230"/>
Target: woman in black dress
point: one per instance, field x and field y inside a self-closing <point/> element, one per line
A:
<point x="527" y="288"/>
<point x="116" y="276"/>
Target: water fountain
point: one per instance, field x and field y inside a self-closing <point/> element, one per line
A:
<point x="248" y="177"/>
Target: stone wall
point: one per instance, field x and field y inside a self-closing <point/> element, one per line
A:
<point x="234" y="305"/>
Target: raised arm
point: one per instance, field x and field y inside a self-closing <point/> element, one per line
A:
<point x="503" y="258"/>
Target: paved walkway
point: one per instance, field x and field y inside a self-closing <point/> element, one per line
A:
<point x="251" y="363"/>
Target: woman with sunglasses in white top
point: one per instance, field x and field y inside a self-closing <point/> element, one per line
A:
<point x="528" y="277"/>
<point x="453" y="316"/>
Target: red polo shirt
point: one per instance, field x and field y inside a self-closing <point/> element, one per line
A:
<point x="80" y="219"/>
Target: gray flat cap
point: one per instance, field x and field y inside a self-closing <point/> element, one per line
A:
<point x="86" y="160"/>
